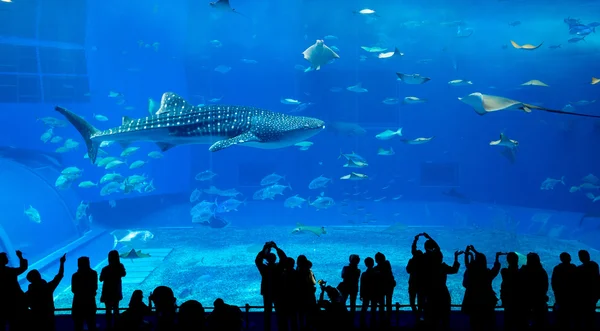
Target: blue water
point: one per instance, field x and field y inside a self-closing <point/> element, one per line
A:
<point x="55" y="53"/>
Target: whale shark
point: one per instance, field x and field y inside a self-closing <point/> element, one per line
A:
<point x="178" y="122"/>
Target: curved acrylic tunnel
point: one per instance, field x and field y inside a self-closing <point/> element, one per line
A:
<point x="27" y="183"/>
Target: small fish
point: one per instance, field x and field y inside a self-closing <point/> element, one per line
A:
<point x="101" y="118"/>
<point x="389" y="134"/>
<point x="289" y="101"/>
<point x="460" y="82"/>
<point x="575" y="40"/>
<point x="222" y="69"/>
<point x="304" y="145"/>
<point x="391" y="101"/>
<point x="155" y="155"/>
<point x="357" y="88"/>
<point x="128" y="151"/>
<point x="366" y="11"/>
<point x="417" y="141"/>
<point x="554" y="46"/>
<point x="33" y="214"/>
<point x="387" y="55"/>
<point x="137" y="164"/>
<point x="354" y="176"/>
<point x="384" y="152"/>
<point x="514" y="23"/>
<point x="413" y="100"/>
<point x="374" y="49"/>
<point x="87" y="184"/>
<point x="549" y="183"/>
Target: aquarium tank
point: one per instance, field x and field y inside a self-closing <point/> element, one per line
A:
<point x="186" y="134"/>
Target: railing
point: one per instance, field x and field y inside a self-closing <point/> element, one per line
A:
<point x="248" y="307"/>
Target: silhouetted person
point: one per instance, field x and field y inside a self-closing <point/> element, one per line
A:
<point x="287" y="307"/>
<point x="587" y="291"/>
<point x="509" y="294"/>
<point x="368" y="293"/>
<point x="132" y="319"/>
<point x="84" y="285"/>
<point x="307" y="300"/>
<point x="40" y="297"/>
<point x="270" y="273"/>
<point x="415" y="280"/>
<point x="349" y="285"/>
<point x="386" y="281"/>
<point x="191" y="316"/>
<point x="13" y="306"/>
<point x="564" y="287"/>
<point x="480" y="299"/>
<point x="436" y="311"/>
<point x="112" y="287"/>
<point x="164" y="302"/>
<point x="225" y="317"/>
<point x="334" y="315"/>
<point x="534" y="292"/>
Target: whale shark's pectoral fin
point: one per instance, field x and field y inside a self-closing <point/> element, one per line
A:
<point x="165" y="146"/>
<point x="242" y="138"/>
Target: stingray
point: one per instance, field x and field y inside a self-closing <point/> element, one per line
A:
<point x="535" y="82"/>
<point x="527" y="47"/>
<point x="133" y="254"/>
<point x="483" y="104"/>
<point x="316" y="230"/>
<point x="504" y="141"/>
<point x="595" y="80"/>
<point x="412" y="79"/>
<point x="224" y="5"/>
<point x="319" y="54"/>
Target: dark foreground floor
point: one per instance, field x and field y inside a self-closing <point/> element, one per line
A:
<point x="402" y="320"/>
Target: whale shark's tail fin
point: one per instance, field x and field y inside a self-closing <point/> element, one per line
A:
<point x="86" y="130"/>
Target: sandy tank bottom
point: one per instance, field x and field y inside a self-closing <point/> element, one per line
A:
<point x="204" y="264"/>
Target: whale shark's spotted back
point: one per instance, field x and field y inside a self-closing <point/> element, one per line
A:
<point x="178" y="122"/>
<point x="182" y="119"/>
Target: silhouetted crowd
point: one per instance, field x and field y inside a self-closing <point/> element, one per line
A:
<point x="289" y="288"/>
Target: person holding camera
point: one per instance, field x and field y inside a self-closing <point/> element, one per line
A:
<point x="480" y="299"/>
<point x="436" y="310"/>
<point x="270" y="273"/>
<point x="415" y="270"/>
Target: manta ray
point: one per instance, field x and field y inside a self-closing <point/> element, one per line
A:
<point x="504" y="141"/>
<point x="412" y="79"/>
<point x="178" y="122"/>
<point x="319" y="54"/>
<point x="527" y="47"/>
<point x="224" y="5"/>
<point x="484" y="104"/>
<point x="133" y="254"/>
<point x="316" y="230"/>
